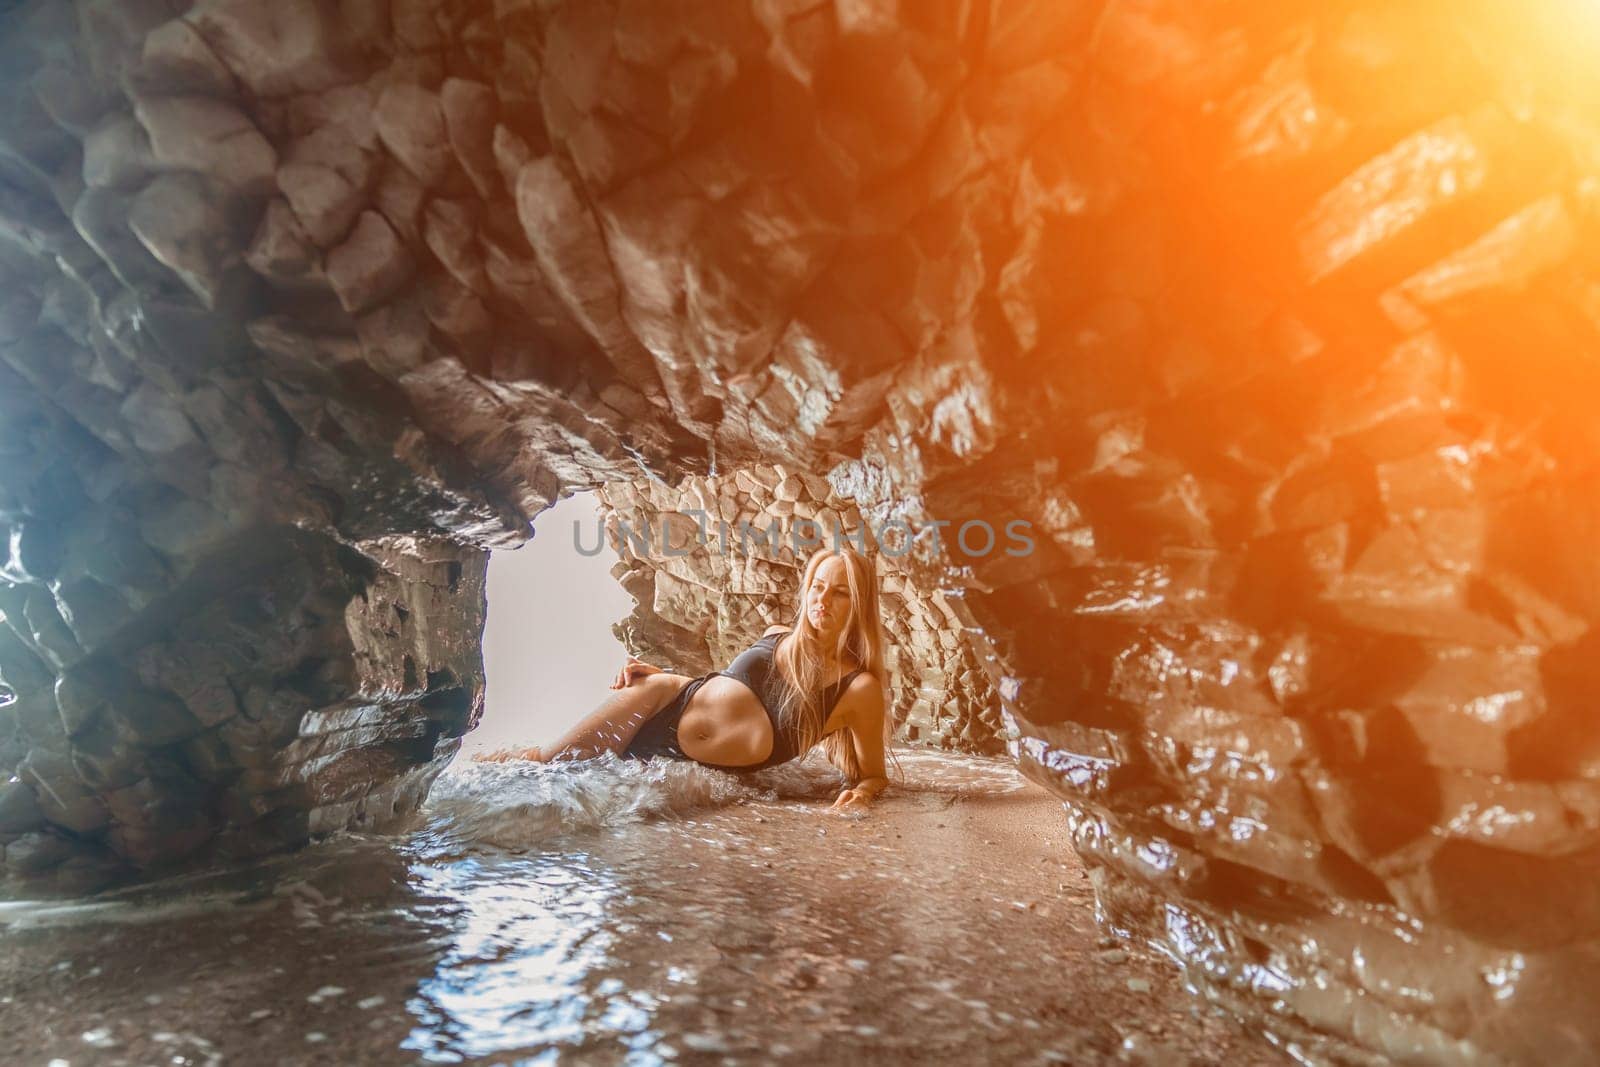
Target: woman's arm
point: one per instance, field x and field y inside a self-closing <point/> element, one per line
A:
<point x="864" y="729"/>
<point x="632" y="671"/>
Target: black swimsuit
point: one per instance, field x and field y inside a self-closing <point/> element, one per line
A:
<point x="755" y="668"/>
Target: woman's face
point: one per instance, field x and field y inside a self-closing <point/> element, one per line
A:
<point x="828" y="599"/>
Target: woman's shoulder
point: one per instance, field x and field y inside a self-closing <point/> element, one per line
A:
<point x="859" y="703"/>
<point x="774" y="630"/>
<point x="863" y="696"/>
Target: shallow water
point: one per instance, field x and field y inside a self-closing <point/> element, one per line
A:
<point x="621" y="913"/>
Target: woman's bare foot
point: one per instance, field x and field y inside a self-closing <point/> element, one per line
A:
<point x="506" y="755"/>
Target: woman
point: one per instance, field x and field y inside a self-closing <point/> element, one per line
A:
<point x="818" y="681"/>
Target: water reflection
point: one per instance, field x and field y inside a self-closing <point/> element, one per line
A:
<point x="620" y="914"/>
<point x="529" y="935"/>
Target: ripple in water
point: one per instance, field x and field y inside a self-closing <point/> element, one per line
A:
<point x="520" y="806"/>
<point x="609" y="912"/>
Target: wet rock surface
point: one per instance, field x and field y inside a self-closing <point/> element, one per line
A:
<point x="283" y="687"/>
<point x="1273" y="323"/>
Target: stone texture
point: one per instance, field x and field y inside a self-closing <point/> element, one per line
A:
<point x="326" y="180"/>
<point x="1271" y="323"/>
<point x="411" y="124"/>
<point x="179" y="219"/>
<point x="210" y="137"/>
<point x="370" y="266"/>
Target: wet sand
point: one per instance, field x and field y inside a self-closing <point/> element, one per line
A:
<point x="950" y="925"/>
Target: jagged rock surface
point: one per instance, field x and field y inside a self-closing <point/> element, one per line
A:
<point x="712" y="562"/>
<point x="1276" y="322"/>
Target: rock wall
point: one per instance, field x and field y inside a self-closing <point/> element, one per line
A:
<point x="712" y="562"/>
<point x="177" y="691"/>
<point x="1274" y="322"/>
<point x="241" y="590"/>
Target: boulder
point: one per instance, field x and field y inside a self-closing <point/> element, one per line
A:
<point x="211" y="137"/>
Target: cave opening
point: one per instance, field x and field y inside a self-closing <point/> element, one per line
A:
<point x="548" y="647"/>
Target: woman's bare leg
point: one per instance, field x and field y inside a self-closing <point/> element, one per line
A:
<point x="610" y="727"/>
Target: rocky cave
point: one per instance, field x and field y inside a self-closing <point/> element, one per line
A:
<point x="1277" y="324"/>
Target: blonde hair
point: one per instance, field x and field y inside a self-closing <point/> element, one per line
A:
<point x="799" y="658"/>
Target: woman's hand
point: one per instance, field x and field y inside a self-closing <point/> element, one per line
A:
<point x="859" y="796"/>
<point x="852" y="800"/>
<point x="631" y="672"/>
